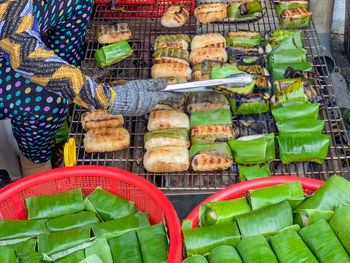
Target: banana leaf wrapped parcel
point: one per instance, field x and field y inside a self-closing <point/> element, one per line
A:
<point x="305" y="217"/>
<point x="293" y="94"/>
<point x="7" y="255"/>
<point x="291" y="70"/>
<point x="23" y="248"/>
<point x="16" y="229"/>
<point x="171" y="55"/>
<point x="300" y="125"/>
<point x="295" y="18"/>
<point x="224" y="254"/>
<point x="74" y="257"/>
<point x="222" y="211"/>
<point x="340" y="225"/>
<point x="244" y="10"/>
<point x="181" y="41"/>
<point x="253" y="149"/>
<point x="249" y="172"/>
<point x="207" y="100"/>
<point x="109" y="34"/>
<point x="284" y="39"/>
<point x="251" y="103"/>
<point x="303" y="147"/>
<point x="298" y="111"/>
<point x="195" y="259"/>
<point x="285" y="5"/>
<point x="167" y="137"/>
<point x="112" y="53"/>
<point x="211" y="117"/>
<point x="202" y="71"/>
<point x="243" y="38"/>
<point x="101" y="249"/>
<point x="286" y="56"/>
<point x="211" y="156"/>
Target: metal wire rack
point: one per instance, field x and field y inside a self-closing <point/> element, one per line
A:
<point x="145" y="30"/>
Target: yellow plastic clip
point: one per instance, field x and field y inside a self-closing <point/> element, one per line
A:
<point x="70" y="153"/>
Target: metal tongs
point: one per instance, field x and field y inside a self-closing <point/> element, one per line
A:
<point x="235" y="81"/>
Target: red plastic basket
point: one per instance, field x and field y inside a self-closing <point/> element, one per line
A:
<point x="238" y="190"/>
<point x="146" y="196"/>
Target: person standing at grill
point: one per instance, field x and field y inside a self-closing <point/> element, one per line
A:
<point x="37" y="81"/>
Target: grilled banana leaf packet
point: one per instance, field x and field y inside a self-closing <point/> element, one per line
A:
<point x="340" y="225"/>
<point x="290" y="248"/>
<point x="244" y="10"/>
<point x="246" y="55"/>
<point x="222" y="211"/>
<point x="167" y="137"/>
<point x="176" y="53"/>
<point x="211" y="117"/>
<point x="286" y="56"/>
<point x="107" y="205"/>
<point x="202" y="240"/>
<point x="295" y="18"/>
<point x="293" y="94"/>
<point x="250" y="104"/>
<point x="303" y="147"/>
<point x="113" y="53"/>
<point x="253" y="149"/>
<point x="195" y="259"/>
<point x="291" y="70"/>
<point x="55" y="205"/>
<point x="224" y="254"/>
<point x="243" y="39"/>
<point x="153" y="242"/>
<point x="202" y="71"/>
<point x="323" y="242"/>
<point x="109" y="34"/>
<point x="298" y="111"/>
<point x="285" y="5"/>
<point x="207" y="100"/>
<point x="284" y="39"/>
<point x="256" y="249"/>
<point x="300" y="125"/>
<point x="181" y="41"/>
<point x="249" y="172"/>
<point x="210" y="156"/>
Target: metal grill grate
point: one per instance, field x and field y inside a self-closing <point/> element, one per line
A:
<point x="145" y="30"/>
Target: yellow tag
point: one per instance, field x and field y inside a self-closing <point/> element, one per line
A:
<point x="112" y="98"/>
<point x="70" y="153"/>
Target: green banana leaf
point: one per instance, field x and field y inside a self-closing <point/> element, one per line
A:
<point x="340" y="225"/>
<point x="243" y="40"/>
<point x="176" y="133"/>
<point x="92" y="259"/>
<point x="55" y="205"/>
<point x="153" y="242"/>
<point x="280" y="6"/>
<point x="72" y="258"/>
<point x="286" y="56"/>
<point x="253" y="149"/>
<point x="107" y="205"/>
<point x="224" y="254"/>
<point x="333" y="194"/>
<point x="290" y="248"/>
<point x="11" y="229"/>
<point x="206" y="67"/>
<point x="293" y="94"/>
<point x="119" y="225"/>
<point x="323" y="242"/>
<point x="299" y="111"/>
<point x="101" y="249"/>
<point x="62" y="133"/>
<point x="217" y="148"/>
<point x="195" y="259"/>
<point x="249" y="104"/>
<point x="209" y="117"/>
<point x="65" y="222"/>
<point x="200" y="241"/>
<point x="222" y="211"/>
<point x="284" y="39"/>
<point x="168" y="39"/>
<point x="112" y="53"/>
<point x="256" y="249"/>
<point x="58" y="241"/>
<point x="253" y="171"/>
<point x="265" y="220"/>
<point x="7" y="255"/>
<point x="290" y="70"/>
<point x="246" y="59"/>
<point x="24" y="248"/>
<point x="305" y="217"/>
<point x="125" y="248"/>
<point x="34" y="257"/>
<point x="265" y="196"/>
<point x="303" y="147"/>
<point x="300" y="125"/>
<point x="240" y="10"/>
<point x="293" y="22"/>
<point x="207" y="100"/>
<point x="172" y="53"/>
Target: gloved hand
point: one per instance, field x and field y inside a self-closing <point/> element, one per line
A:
<point x="138" y="97"/>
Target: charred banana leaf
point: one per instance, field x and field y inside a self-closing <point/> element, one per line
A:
<point x="202" y="71"/>
<point x="255" y="69"/>
<point x="235" y="51"/>
<point x="284" y="5"/>
<point x="303" y="147"/>
<point x="293" y="94"/>
<point x="211" y="117"/>
<point x="295" y="18"/>
<point x="171" y="53"/>
<point x="253" y="171"/>
<point x="249" y="104"/>
<point x="291" y="70"/>
<point x="109" y="34"/>
<point x="181" y="41"/>
<point x="113" y="53"/>
<point x="246" y="59"/>
<point x="262" y="84"/>
<point x="167" y="137"/>
<point x="207" y="100"/>
<point x="298" y="111"/>
<point x="212" y="133"/>
<point x="211" y="156"/>
<point x="243" y="39"/>
<point x="290" y="39"/>
<point x="243" y="9"/>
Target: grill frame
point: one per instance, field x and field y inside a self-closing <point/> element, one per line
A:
<point x="145" y="30"/>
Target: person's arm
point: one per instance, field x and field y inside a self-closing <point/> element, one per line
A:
<point x="21" y="43"/>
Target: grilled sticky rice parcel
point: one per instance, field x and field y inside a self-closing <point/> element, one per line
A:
<point x="108" y="34"/>
<point x="172" y="41"/>
<point x="254" y="69"/>
<point x="106" y="139"/>
<point x="171" y="70"/>
<point x="207" y="100"/>
<point x="208" y="40"/>
<point x="202" y="71"/>
<point x="175" y="16"/>
<point x="212" y="133"/>
<point x="171" y="55"/>
<point x="100" y="119"/>
<point x="167" y="137"/>
<point x="166" y="119"/>
<point x="211" y="156"/>
<point x="166" y="159"/>
<point x="199" y="55"/>
<point x="295" y="13"/>
<point x="208" y="13"/>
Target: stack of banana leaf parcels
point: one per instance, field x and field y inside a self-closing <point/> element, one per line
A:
<point x="293" y="14"/>
<point x="274" y="224"/>
<point x="210" y="133"/>
<point x="66" y="228"/>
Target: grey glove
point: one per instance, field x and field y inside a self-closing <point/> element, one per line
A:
<point x="138" y="97"/>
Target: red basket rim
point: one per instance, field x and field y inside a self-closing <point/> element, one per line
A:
<point x="172" y="220"/>
<point x="236" y="190"/>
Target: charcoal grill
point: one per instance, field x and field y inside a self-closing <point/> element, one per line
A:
<point x="145" y="30"/>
